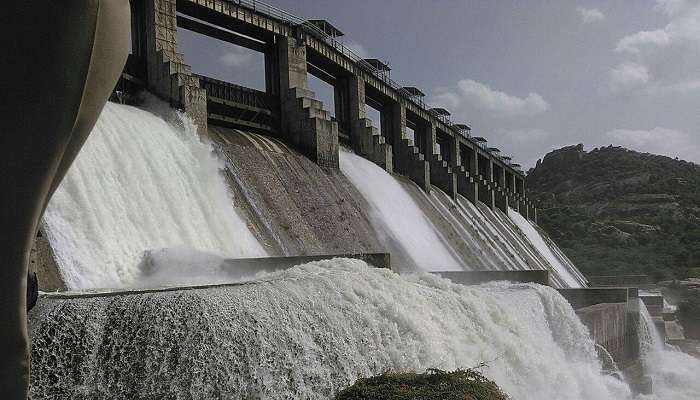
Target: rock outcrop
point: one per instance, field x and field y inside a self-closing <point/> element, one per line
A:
<point x="615" y="210"/>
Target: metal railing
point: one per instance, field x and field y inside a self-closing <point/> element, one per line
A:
<point x="235" y="93"/>
<point x="293" y="20"/>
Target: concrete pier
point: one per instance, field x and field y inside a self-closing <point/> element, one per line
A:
<point x="441" y="154"/>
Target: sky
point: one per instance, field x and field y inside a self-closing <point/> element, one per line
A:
<point x="529" y="75"/>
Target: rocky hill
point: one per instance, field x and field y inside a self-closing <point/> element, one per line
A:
<point x="618" y="211"/>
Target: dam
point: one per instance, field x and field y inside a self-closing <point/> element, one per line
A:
<point x="145" y="257"/>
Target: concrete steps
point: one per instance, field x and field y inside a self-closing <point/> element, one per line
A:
<point x="311" y="128"/>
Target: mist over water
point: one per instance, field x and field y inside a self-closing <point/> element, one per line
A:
<point x="141" y="183"/>
<point x="675" y="374"/>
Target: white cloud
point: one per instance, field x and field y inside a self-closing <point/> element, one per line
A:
<point x="628" y="76"/>
<point x="658" y="140"/>
<point x="236" y="57"/>
<point x="635" y="42"/>
<point x="670" y="7"/>
<point x="474" y="94"/>
<point x="670" y="55"/>
<point x="684" y="27"/>
<point x="589" y="16"/>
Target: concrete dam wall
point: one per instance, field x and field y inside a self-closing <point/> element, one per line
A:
<point x="296" y="207"/>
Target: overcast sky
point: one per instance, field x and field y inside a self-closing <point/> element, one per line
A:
<point x="529" y="75"/>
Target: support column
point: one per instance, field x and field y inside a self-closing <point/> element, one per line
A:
<point x="366" y="140"/>
<point x="168" y="75"/>
<point x="303" y="121"/>
<point x="406" y="155"/>
<point x="440" y="171"/>
<point x="397" y="132"/>
<point x="472" y="189"/>
<point x="520" y="190"/>
<point x="512" y="193"/>
<point x="486" y="194"/>
<point x="501" y="194"/>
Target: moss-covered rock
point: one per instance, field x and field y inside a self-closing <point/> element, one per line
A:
<point x="434" y="384"/>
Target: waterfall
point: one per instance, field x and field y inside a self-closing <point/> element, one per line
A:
<point x="674" y="373"/>
<point x="308" y="332"/>
<point x="565" y="272"/>
<point x="395" y="213"/>
<point x="139" y="184"/>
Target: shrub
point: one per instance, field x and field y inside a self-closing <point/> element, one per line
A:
<point x="433" y="384"/>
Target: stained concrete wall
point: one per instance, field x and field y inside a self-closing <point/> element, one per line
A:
<point x="607" y="325"/>
<point x="580" y="298"/>
<point x="295" y="207"/>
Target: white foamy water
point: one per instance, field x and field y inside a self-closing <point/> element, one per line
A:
<point x="310" y="331"/>
<point x="398" y="214"/>
<point x="675" y="375"/>
<point x="565" y="273"/>
<point x="138" y="184"/>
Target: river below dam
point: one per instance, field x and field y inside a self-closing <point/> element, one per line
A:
<point x="147" y="205"/>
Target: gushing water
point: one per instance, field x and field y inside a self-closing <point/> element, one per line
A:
<point x="674" y="374"/>
<point x="308" y="332"/>
<point x="566" y="273"/>
<point x="140" y="183"/>
<point x="398" y="213"/>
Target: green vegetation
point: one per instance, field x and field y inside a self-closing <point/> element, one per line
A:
<point x="434" y="384"/>
<point x="616" y="211"/>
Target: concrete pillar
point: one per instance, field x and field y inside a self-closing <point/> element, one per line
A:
<point x="366" y="140"/>
<point x="455" y="160"/>
<point x="272" y="72"/>
<point x="356" y="110"/>
<point x="292" y="65"/>
<point x="306" y="125"/>
<point x="472" y="188"/>
<point x="520" y="190"/>
<point x="405" y="153"/>
<point x="500" y="193"/>
<point x="513" y="202"/>
<point x="396" y="131"/>
<point x="340" y="100"/>
<point x="168" y="75"/>
<point x="486" y="183"/>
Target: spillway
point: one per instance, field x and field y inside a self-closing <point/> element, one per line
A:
<point x="307" y="333"/>
<point x="395" y="213"/>
<point x="146" y="193"/>
<point x="571" y="276"/>
<point x="140" y="184"/>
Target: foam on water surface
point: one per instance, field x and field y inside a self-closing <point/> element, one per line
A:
<point x="310" y="331"/>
